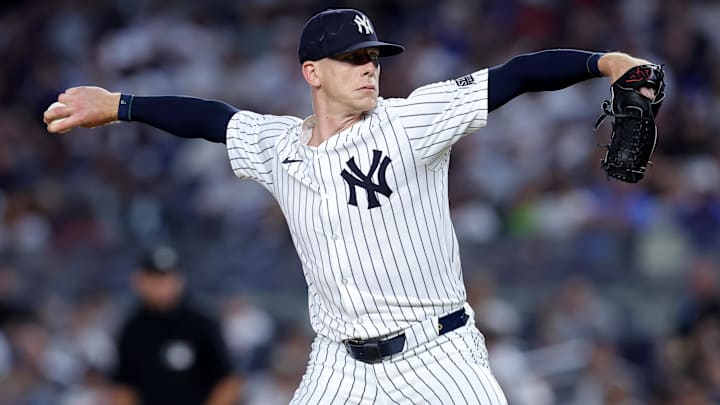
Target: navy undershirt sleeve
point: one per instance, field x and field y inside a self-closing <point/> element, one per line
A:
<point x="540" y="71"/>
<point x="187" y="117"/>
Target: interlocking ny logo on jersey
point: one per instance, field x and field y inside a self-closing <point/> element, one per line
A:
<point x="363" y="23"/>
<point x="359" y="179"/>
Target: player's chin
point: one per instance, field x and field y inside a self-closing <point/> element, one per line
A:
<point x="368" y="102"/>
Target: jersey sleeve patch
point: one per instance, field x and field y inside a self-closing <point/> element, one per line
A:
<point x="465" y="81"/>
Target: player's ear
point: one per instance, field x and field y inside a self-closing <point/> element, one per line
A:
<point x="310" y="73"/>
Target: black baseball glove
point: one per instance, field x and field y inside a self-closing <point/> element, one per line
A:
<point x="634" y="133"/>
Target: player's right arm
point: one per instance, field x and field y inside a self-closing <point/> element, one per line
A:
<point x="249" y="137"/>
<point x="187" y="117"/>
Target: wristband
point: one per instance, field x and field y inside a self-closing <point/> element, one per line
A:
<point x="125" y="107"/>
<point x="592" y="64"/>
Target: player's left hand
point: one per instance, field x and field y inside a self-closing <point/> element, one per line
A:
<point x="85" y="106"/>
<point x="636" y="99"/>
<point x="614" y="65"/>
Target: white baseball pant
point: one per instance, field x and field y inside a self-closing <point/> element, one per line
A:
<point x="450" y="369"/>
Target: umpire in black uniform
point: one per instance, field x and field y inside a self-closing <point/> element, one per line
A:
<point x="169" y="353"/>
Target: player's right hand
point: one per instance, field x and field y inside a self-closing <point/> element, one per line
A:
<point x="85" y="106"/>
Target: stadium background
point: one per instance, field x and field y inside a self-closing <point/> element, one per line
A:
<point x="590" y="291"/>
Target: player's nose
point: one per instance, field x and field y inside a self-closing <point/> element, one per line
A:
<point x="371" y="67"/>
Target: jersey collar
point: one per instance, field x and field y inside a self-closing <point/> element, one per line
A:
<point x="307" y="126"/>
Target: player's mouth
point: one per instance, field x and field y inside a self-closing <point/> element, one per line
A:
<point x="368" y="87"/>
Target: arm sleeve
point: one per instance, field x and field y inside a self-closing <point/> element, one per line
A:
<point x="541" y="71"/>
<point x="187" y="117"/>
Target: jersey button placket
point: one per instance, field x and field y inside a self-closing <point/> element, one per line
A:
<point x="323" y="171"/>
<point x="321" y="164"/>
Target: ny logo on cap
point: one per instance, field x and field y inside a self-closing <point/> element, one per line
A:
<point x="363" y="24"/>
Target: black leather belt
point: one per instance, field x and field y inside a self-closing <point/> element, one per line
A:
<point x="375" y="349"/>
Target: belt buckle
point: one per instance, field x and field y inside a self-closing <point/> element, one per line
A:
<point x="367" y="351"/>
<point x="371" y="351"/>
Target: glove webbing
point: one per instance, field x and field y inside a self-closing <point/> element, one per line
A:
<point x="632" y="147"/>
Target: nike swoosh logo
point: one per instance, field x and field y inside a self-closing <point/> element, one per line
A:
<point x="288" y="160"/>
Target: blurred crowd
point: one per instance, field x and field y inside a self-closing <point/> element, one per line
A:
<point x="589" y="291"/>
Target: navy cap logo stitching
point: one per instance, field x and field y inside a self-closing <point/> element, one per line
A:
<point x="363" y="24"/>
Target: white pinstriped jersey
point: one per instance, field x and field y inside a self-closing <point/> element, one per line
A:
<point x="368" y="208"/>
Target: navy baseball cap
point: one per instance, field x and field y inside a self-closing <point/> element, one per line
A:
<point x="334" y="32"/>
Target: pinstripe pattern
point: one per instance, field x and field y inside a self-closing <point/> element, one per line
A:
<point x="452" y="369"/>
<point x="332" y="378"/>
<point x="371" y="270"/>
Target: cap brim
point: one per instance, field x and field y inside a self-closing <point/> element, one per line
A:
<point x="385" y="48"/>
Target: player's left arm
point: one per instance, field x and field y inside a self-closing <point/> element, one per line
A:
<point x="437" y="115"/>
<point x="554" y="69"/>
